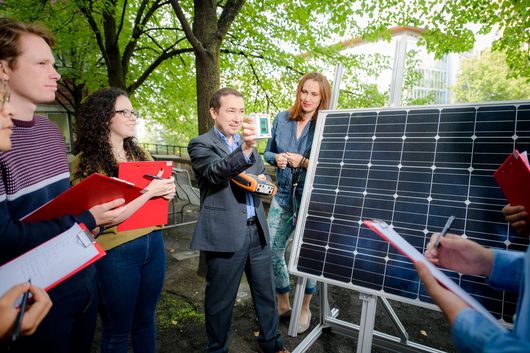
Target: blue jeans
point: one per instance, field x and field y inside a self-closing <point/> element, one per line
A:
<point x="281" y="227"/>
<point x="130" y="280"/>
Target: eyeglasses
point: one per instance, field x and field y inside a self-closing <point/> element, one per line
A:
<point x="129" y="113"/>
<point x="4" y="93"/>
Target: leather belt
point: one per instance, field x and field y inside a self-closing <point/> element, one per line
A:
<point x="251" y="221"/>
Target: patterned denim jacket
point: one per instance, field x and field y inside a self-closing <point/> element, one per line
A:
<point x="284" y="140"/>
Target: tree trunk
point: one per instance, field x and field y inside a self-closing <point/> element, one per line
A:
<point x="206" y="36"/>
<point x="207" y="63"/>
<point x="208" y="72"/>
<point x="115" y="70"/>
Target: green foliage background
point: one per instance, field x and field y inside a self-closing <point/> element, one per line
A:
<point x="487" y="77"/>
<point x="270" y="44"/>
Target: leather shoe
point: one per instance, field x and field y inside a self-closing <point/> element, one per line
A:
<point x="303" y="327"/>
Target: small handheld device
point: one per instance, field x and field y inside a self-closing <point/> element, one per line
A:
<point x="252" y="183"/>
<point x="262" y="123"/>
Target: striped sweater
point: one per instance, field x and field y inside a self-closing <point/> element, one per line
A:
<point x="32" y="173"/>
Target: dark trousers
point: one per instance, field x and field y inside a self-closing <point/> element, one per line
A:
<point x="222" y="282"/>
<point x="130" y="279"/>
<point x="69" y="327"/>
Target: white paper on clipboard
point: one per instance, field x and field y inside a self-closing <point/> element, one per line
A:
<point x="389" y="234"/>
<point x="53" y="261"/>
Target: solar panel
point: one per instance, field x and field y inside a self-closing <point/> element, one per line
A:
<point x="413" y="168"/>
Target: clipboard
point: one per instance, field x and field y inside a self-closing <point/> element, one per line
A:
<point x="92" y="191"/>
<point x="53" y="261"/>
<point x="155" y="211"/>
<point x="513" y="177"/>
<point x="388" y="233"/>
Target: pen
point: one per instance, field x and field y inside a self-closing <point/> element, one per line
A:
<point x="445" y="229"/>
<point x="151" y="176"/>
<point x="18" y="320"/>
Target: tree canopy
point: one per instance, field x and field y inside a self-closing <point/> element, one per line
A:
<point x="170" y="55"/>
<point x="486" y="78"/>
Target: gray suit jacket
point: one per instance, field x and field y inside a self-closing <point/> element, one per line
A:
<point x="222" y="220"/>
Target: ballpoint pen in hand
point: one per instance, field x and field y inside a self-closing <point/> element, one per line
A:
<point x="20" y="315"/>
<point x="445" y="229"/>
<point x="151" y="176"/>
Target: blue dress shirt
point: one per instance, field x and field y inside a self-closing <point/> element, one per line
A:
<point x="251" y="212"/>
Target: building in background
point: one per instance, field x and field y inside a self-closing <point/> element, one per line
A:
<point x="56" y="113"/>
<point x="438" y="75"/>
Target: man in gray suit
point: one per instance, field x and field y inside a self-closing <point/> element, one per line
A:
<point x="232" y="228"/>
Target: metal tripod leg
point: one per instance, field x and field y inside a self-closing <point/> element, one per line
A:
<point x="366" y="326"/>
<point x="403" y="335"/>
<point x="297" y="306"/>
<point x="364" y="332"/>
<point x="325" y="314"/>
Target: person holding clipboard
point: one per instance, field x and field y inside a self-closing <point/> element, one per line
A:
<point x="15" y="321"/>
<point x="32" y="173"/>
<point x="504" y="270"/>
<point x="131" y="276"/>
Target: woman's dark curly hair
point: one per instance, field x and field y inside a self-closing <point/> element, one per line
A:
<point x="92" y="129"/>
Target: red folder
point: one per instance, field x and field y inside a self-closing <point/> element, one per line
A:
<point x="155" y="211"/>
<point x="92" y="191"/>
<point x="513" y="177"/>
<point x="53" y="261"/>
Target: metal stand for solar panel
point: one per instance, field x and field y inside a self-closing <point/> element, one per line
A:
<point x="364" y="332"/>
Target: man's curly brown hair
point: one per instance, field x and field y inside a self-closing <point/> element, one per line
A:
<point x="92" y="129"/>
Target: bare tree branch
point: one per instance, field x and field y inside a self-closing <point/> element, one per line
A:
<point x="186" y="28"/>
<point x="230" y="11"/>
<point x="164" y="56"/>
<point x="138" y="28"/>
<point x="122" y="20"/>
<point x="87" y="12"/>
<point x="255" y="74"/>
<point x="161" y="29"/>
<point x="257" y="56"/>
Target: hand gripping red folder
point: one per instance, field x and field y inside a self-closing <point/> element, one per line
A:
<point x="53" y="261"/>
<point x="513" y="177"/>
<point x="92" y="191"/>
<point x="155" y="211"/>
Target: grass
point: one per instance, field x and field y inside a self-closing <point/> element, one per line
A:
<point x="174" y="311"/>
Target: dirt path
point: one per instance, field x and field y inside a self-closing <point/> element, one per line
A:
<point x="180" y="319"/>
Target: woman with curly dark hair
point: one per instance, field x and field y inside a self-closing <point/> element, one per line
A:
<point x="130" y="277"/>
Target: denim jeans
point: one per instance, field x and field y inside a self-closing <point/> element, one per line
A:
<point x="130" y="280"/>
<point x="281" y="228"/>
